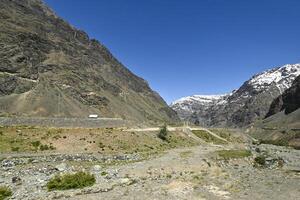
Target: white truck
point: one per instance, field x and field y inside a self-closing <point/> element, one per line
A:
<point x="93" y="116"/>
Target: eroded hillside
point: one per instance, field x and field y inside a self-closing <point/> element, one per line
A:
<point x="49" y="68"/>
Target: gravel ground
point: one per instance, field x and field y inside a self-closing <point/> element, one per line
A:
<point x="185" y="173"/>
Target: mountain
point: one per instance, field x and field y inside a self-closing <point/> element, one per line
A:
<point x="243" y="106"/>
<point x="49" y="68"/>
<point x="284" y="111"/>
<point x="187" y="106"/>
<point x="282" y="122"/>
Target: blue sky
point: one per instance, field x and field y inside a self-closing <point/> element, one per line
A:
<point x="185" y="47"/>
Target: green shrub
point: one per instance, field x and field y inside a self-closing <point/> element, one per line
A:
<point x="261" y="160"/>
<point x="36" y="144"/>
<point x="101" y="145"/>
<point x="71" y="181"/>
<point x="15" y="148"/>
<point x="163" y="133"/>
<point x="229" y="154"/>
<point x="44" y="147"/>
<point x="5" y="192"/>
<point x="103" y="173"/>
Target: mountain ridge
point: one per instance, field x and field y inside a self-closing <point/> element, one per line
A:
<point x="51" y="69"/>
<point x="243" y="106"/>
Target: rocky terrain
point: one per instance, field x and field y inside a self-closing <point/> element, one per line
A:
<point x="249" y="103"/>
<point x="197" y="169"/>
<point x="288" y="102"/>
<point x="189" y="107"/>
<point x="50" y="69"/>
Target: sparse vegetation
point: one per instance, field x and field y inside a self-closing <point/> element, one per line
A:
<point x="71" y="181"/>
<point x="227" y="134"/>
<point x="280" y="142"/>
<point x="45" y="147"/>
<point x="185" y="154"/>
<point x="117" y="141"/>
<point x="163" y="133"/>
<point x="207" y="137"/>
<point x="5" y="192"/>
<point x="230" y="154"/>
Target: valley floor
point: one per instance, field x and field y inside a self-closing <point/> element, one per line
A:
<point x="193" y="170"/>
<point x="193" y="173"/>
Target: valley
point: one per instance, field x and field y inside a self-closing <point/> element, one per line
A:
<point x="131" y="163"/>
<point x="76" y="123"/>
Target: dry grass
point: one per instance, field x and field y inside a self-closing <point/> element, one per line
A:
<point x="230" y="135"/>
<point x="5" y="192"/>
<point x="72" y="140"/>
<point x="207" y="137"/>
<point x="185" y="154"/>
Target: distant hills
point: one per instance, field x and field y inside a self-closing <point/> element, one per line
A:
<point x="48" y="68"/>
<point x="248" y="104"/>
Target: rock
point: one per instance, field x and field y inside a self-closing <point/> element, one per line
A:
<point x="96" y="168"/>
<point x="61" y="167"/>
<point x="16" y="180"/>
<point x="126" y="181"/>
<point x="269" y="159"/>
<point x="257" y="149"/>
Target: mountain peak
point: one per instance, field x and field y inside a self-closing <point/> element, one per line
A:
<point x="242" y="106"/>
<point x="280" y="76"/>
<point x="199" y="98"/>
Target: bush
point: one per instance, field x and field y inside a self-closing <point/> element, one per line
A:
<point x="15" y="148"/>
<point x="163" y="133"/>
<point x="101" y="145"/>
<point x="261" y="160"/>
<point x="71" y="181"/>
<point x="5" y="192"/>
<point x="36" y="144"/>
<point x="44" y="147"/>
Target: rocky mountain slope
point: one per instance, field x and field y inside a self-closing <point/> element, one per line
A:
<point x="187" y="106"/>
<point x="284" y="112"/>
<point x="243" y="106"/>
<point x="289" y="101"/>
<point x="49" y="68"/>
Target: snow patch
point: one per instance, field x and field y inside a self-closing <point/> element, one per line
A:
<point x="281" y="77"/>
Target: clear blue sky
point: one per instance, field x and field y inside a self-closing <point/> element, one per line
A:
<point x="185" y="47"/>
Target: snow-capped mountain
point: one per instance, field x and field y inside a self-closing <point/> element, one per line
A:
<point x="244" y="105"/>
<point x="186" y="103"/>
<point x="282" y="77"/>
<point x="186" y="106"/>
